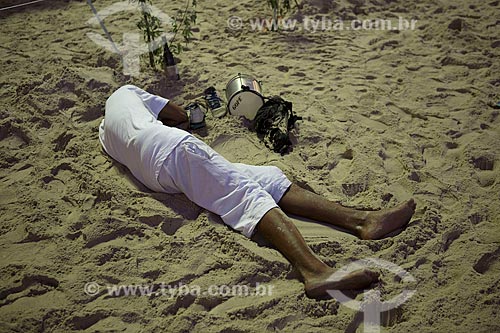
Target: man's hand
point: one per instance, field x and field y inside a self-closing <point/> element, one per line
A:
<point x="174" y="116"/>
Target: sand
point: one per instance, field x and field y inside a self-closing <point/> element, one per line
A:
<point x="388" y="115"/>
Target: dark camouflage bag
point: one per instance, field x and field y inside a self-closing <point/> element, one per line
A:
<point x="273" y="123"/>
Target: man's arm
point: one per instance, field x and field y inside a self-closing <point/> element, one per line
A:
<point x="174" y="116"/>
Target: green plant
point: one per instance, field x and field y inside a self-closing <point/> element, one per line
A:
<point x="150" y="27"/>
<point x="281" y="7"/>
<point x="183" y="23"/>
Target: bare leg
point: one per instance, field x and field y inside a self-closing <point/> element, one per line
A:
<point x="277" y="228"/>
<point x="364" y="224"/>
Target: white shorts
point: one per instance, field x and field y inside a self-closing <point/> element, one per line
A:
<point x="240" y="194"/>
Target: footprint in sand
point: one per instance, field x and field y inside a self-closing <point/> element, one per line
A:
<point x="86" y="321"/>
<point x="283" y="68"/>
<point x="181" y="302"/>
<point x="91" y="113"/>
<point x="12" y="136"/>
<point x="62" y="141"/>
<point x="110" y="229"/>
<point x="475" y="218"/>
<point x="483" y="163"/>
<point x="486" y="261"/>
<point x="168" y="225"/>
<point x="352" y="189"/>
<point x="30" y="285"/>
<point x="65" y="103"/>
<point x="448" y="238"/>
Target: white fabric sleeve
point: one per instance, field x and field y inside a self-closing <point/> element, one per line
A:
<point x="154" y="103"/>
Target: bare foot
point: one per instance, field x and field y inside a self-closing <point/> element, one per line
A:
<point x="318" y="286"/>
<point x="380" y="223"/>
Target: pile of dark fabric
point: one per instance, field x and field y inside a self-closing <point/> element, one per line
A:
<point x="273" y="123"/>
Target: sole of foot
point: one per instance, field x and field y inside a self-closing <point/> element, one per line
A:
<point x="360" y="279"/>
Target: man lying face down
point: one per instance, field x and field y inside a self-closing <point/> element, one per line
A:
<point x="140" y="131"/>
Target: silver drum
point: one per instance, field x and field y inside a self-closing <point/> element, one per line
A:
<point x="244" y="96"/>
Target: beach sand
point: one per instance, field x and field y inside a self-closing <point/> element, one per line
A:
<point x="387" y="115"/>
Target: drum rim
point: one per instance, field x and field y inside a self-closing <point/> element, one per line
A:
<point x="239" y="75"/>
